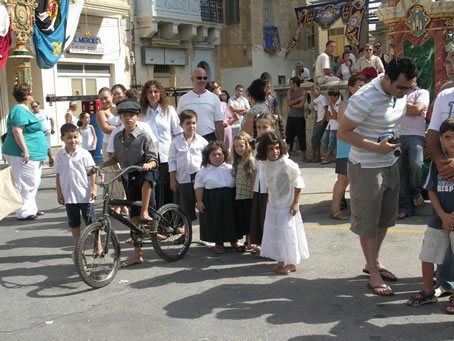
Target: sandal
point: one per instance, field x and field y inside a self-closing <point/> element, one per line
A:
<point x="337" y="215"/>
<point x="422" y="298"/>
<point x="450" y="306"/>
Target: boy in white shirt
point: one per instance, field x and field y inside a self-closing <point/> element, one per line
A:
<point x="185" y="158"/>
<point x="75" y="189"/>
<point x="321" y="107"/>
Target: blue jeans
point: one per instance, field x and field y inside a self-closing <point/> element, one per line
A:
<point x="445" y="271"/>
<point x="329" y="140"/>
<point x="410" y="169"/>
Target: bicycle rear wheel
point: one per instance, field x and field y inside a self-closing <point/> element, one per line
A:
<point x="97" y="256"/>
<point x="172" y="233"/>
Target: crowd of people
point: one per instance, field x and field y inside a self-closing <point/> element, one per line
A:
<point x="245" y="186"/>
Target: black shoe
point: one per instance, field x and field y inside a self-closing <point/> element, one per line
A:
<point x="39" y="213"/>
<point x="30" y="217"/>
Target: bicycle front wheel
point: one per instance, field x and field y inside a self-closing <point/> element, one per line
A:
<point x="172" y="233"/>
<point x="97" y="255"/>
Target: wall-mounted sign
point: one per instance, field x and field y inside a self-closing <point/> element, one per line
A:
<point x="87" y="45"/>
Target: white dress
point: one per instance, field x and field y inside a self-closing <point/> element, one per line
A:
<point x="284" y="238"/>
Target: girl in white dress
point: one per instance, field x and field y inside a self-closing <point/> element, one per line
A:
<point x="284" y="238"/>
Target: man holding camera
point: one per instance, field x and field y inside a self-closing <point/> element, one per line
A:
<point x="369" y="123"/>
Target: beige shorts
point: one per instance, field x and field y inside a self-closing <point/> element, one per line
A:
<point x="374" y="198"/>
<point x="435" y="244"/>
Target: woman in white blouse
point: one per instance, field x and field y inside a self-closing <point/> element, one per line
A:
<point x="163" y="120"/>
<point x="346" y="68"/>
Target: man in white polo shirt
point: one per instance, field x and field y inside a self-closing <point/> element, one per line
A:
<point x="373" y="112"/>
<point x="239" y="104"/>
<point x="207" y="105"/>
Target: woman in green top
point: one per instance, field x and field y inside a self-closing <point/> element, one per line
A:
<point x="24" y="149"/>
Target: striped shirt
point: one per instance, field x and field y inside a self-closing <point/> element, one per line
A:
<point x="377" y="114"/>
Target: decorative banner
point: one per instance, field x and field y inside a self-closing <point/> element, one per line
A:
<point x="326" y="14"/>
<point x="271" y="38"/>
<point x="5" y="35"/>
<point x="75" y="10"/>
<point x="50" y="31"/>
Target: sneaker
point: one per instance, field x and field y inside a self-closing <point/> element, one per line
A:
<point x="440" y="291"/>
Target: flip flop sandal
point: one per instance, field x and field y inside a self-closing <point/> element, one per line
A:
<point x="337" y="215"/>
<point x="390" y="278"/>
<point x="381" y="286"/>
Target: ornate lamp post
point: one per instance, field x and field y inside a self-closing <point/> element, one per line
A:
<point x="22" y="14"/>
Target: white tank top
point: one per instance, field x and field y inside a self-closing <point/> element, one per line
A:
<point x="87" y="138"/>
<point x="112" y="120"/>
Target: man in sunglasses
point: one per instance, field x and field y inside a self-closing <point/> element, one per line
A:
<point x="369" y="60"/>
<point x="207" y="105"/>
<point x="379" y="53"/>
<point x="372" y="117"/>
<point x="48" y="124"/>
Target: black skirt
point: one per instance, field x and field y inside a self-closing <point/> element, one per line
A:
<point x="259" y="202"/>
<point x="217" y="223"/>
<point x="243" y="216"/>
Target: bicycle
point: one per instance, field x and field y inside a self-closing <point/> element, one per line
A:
<point x="97" y="253"/>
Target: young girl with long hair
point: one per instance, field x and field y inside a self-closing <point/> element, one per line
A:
<point x="284" y="239"/>
<point x="215" y="193"/>
<point x="87" y="133"/>
<point x="262" y="124"/>
<point x="243" y="171"/>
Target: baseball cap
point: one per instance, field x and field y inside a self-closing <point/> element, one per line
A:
<point x="368" y="71"/>
<point x="129" y="106"/>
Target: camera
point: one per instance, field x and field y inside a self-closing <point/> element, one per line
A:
<point x="394" y="140"/>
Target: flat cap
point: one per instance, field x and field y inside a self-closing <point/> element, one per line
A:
<point x="128" y="105"/>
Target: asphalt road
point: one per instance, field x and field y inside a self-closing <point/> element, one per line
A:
<point x="206" y="297"/>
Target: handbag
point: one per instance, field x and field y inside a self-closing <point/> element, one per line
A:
<point x="10" y="196"/>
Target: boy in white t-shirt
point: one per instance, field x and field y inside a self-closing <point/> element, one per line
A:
<point x="75" y="189"/>
<point x="321" y="107"/>
<point x="185" y="159"/>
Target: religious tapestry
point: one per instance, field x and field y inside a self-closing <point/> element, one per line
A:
<point x="326" y="14"/>
<point x="271" y="38"/>
<point x="50" y="31"/>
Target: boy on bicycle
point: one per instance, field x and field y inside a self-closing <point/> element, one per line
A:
<point x="134" y="146"/>
<point x="75" y="189"/>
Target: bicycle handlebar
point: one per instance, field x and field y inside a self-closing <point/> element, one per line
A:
<point x="121" y="172"/>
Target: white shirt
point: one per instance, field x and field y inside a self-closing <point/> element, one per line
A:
<point x="416" y="125"/>
<point x="319" y="104"/>
<point x="164" y="126"/>
<point x="322" y="63"/>
<point x="305" y="75"/>
<point x="87" y="138"/>
<point x="282" y="177"/>
<point x="185" y="159"/>
<point x="110" y="146"/>
<point x="332" y="123"/>
<point x="260" y="185"/>
<point x="377" y="113"/>
<point x="443" y="109"/>
<point x="240" y="103"/>
<point x="72" y="169"/>
<point x="208" y="109"/>
<point x="212" y="177"/>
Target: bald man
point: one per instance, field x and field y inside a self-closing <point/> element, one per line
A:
<point x="210" y="121"/>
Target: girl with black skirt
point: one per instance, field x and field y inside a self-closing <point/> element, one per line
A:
<point x="215" y="193"/>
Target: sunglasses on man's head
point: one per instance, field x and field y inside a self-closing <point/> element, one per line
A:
<point x="200" y="78"/>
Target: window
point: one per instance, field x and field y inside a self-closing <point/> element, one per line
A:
<point x="268" y="12"/>
<point x="232" y="12"/>
<point x="161" y="69"/>
<point x="311" y="38"/>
